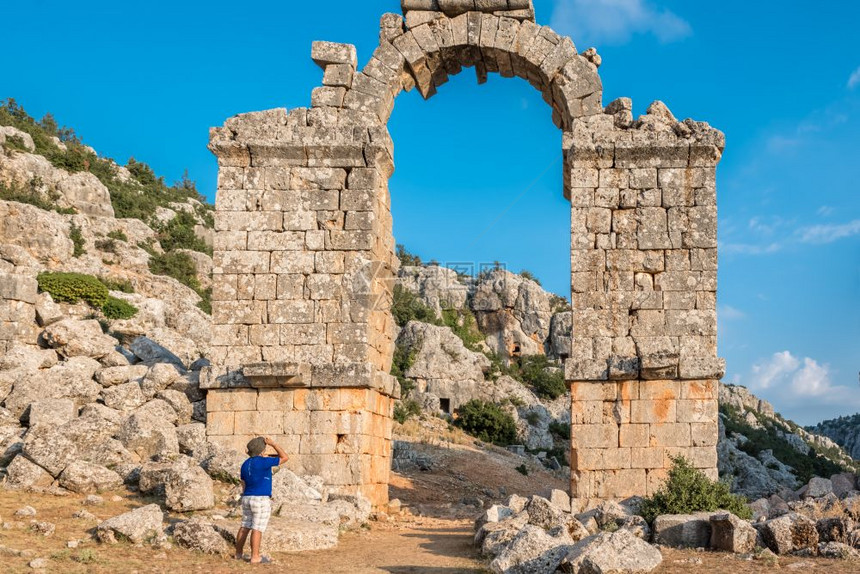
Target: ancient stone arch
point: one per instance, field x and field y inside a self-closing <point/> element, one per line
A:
<point x="304" y="258"/>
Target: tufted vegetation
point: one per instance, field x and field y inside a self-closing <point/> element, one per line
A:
<point x="688" y="490"/>
<point x="487" y="422"/>
<point x="74" y="287"/>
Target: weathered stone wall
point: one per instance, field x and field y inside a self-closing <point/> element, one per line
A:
<point x="644" y="280"/>
<point x="304" y="252"/>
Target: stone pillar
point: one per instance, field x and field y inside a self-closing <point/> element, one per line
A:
<point x="303" y="268"/>
<point x="643" y="370"/>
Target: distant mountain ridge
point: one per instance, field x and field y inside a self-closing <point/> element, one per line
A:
<point x="844" y="431"/>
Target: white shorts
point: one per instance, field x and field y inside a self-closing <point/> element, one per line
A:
<point x="256" y="511"/>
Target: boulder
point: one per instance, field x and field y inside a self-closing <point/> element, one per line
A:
<point x="493" y="537"/>
<point x="158" y="408"/>
<point x="732" y="534"/>
<point x="138" y="526"/>
<point x="54" y="412"/>
<point x="446" y="367"/>
<point x="683" y="530"/>
<point x="73" y="338"/>
<point x="544" y="514"/>
<point x="50" y="448"/>
<point x="148" y="436"/>
<point x="837" y="550"/>
<point x="192" y="438"/>
<point x="789" y="533"/>
<point x="289" y="534"/>
<point x="610" y="513"/>
<point x="85" y="477"/>
<point x="636" y="525"/>
<point x="189" y="488"/>
<point x="22" y="473"/>
<point x="179" y="403"/>
<point x="818" y="487"/>
<point x="533" y="551"/>
<point x="834" y="529"/>
<point x="513" y="311"/>
<point x="223" y="464"/>
<point x="352" y="511"/>
<point x="560" y="342"/>
<point x="843" y="484"/>
<point x="71" y="379"/>
<point x="495" y="513"/>
<point x="111" y="376"/>
<point x="148" y="351"/>
<point x="197" y="534"/>
<point x="288" y="488"/>
<point x="153" y="476"/>
<point x="159" y="377"/>
<point x="124" y="397"/>
<point x="558" y="498"/>
<point x="617" y="552"/>
<point x="438" y="287"/>
<point x="28" y="358"/>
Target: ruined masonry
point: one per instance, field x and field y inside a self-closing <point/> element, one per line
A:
<point x="304" y="258"/>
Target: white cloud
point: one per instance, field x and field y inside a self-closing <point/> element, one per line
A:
<point x="854" y="80"/>
<point x="616" y="21"/>
<point x="828" y="233"/>
<point x="748" y="248"/>
<point x="812" y="380"/>
<point x="775" y="370"/>
<point x="825" y="210"/>
<point x="730" y="313"/>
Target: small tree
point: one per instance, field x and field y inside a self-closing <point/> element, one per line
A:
<point x="688" y="490"/>
<point x="487" y="422"/>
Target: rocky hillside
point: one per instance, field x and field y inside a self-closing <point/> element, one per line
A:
<point x="844" y="431"/>
<point x="764" y="453"/>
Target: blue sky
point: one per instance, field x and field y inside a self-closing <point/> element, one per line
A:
<point x="478" y="167"/>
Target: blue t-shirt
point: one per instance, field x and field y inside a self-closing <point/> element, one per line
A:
<point x="257" y="475"/>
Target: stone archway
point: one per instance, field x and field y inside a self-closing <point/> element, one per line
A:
<point x="304" y="258"/>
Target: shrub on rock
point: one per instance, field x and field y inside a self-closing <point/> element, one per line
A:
<point x="688" y="490"/>
<point x="487" y="421"/>
<point x="118" y="309"/>
<point x="74" y="287"/>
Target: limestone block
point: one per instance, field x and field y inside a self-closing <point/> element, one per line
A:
<point x="259" y="423"/>
<point x="691" y="322"/>
<point x="18" y="287"/>
<point x="328" y="96"/>
<point x="291" y="262"/>
<point x="231" y="400"/>
<point x="220" y="423"/>
<point x="317" y="179"/>
<point x="697" y="411"/>
<point x="594" y="436"/>
<point x="653" y="411"/>
<point x="702" y="231"/>
<point x="326" y="53"/>
<point x="670" y="434"/>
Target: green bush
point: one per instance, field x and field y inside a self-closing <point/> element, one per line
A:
<point x="15" y="143"/>
<point x="403" y="359"/>
<point x="536" y="372"/>
<point x="558" y="303"/>
<point x="106" y="245"/>
<point x="487" y="422"/>
<point x="559" y="430"/>
<point x="522" y="469"/>
<point x="463" y="324"/>
<point x="405" y="409"/>
<point x="77" y="240"/>
<point x="205" y="303"/>
<point x="136" y="198"/>
<point x="121" y="285"/>
<point x="118" y="309"/>
<point x="526" y="274"/>
<point x="688" y="490"/>
<point x="406" y="306"/>
<point x="74" y="287"/>
<point x="407" y="259"/>
<point x="178" y="233"/>
<point x="180" y="266"/>
<point x="118" y="235"/>
<point x="30" y="195"/>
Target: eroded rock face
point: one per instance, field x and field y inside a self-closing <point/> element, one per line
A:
<point x="73" y="338"/>
<point x="514" y="312"/>
<point x="438" y="287"/>
<point x="189" y="489"/>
